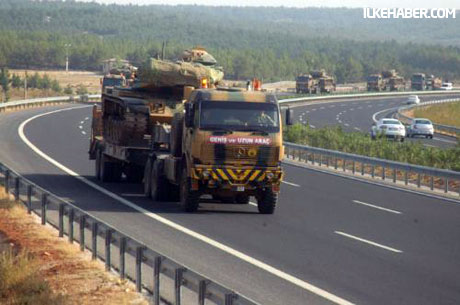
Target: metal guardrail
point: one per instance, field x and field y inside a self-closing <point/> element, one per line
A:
<point x="368" y="165"/>
<point x="38" y="102"/>
<point x="442" y="128"/>
<point x="78" y="224"/>
<point x="363" y="95"/>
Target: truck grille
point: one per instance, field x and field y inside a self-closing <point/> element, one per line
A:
<point x="257" y="155"/>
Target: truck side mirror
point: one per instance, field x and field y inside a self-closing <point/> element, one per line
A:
<point x="188" y="115"/>
<point x="289" y="116"/>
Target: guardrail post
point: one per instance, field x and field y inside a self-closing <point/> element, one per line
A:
<point x="29" y="199"/>
<point x="71" y="216"/>
<point x="108" y="241"/>
<point x="431" y="182"/>
<point x="344" y="165"/>
<point x="446" y="185"/>
<point x="82" y="232"/>
<point x="327" y="161"/>
<point x="16" y="188"/>
<point x="313" y="159"/>
<point x="139" y="269"/>
<point x="229" y="298"/>
<point x="61" y="220"/>
<point x="419" y="178"/>
<point x="156" y="279"/>
<point x="44" y="204"/>
<point x="354" y="167"/>
<point x="122" y="257"/>
<point x="383" y="172"/>
<point x="406" y="177"/>
<point x="94" y="240"/>
<point x="394" y="175"/>
<point x="373" y="170"/>
<point x="320" y="160"/>
<point x="202" y="292"/>
<point x="7" y="181"/>
<point x="363" y="168"/>
<point x="178" y="284"/>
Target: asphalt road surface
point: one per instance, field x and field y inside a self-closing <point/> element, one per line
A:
<point x="357" y="115"/>
<point x="332" y="239"/>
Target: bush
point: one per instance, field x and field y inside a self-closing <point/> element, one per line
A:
<point x="68" y="90"/>
<point x="335" y="138"/>
<point x="81" y="90"/>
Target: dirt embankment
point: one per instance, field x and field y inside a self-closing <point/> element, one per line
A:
<point x="53" y="264"/>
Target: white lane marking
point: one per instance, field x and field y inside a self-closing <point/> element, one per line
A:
<point x="281" y="274"/>
<point x="314" y="109"/>
<point x="357" y="128"/>
<point x="368" y="242"/>
<point x="351" y="109"/>
<point x="332" y="106"/>
<point x="312" y="126"/>
<point x="346" y="124"/>
<point x="81" y="127"/>
<point x="360" y="107"/>
<point x="321" y="107"/>
<point x="87" y="118"/>
<point x="83" y="132"/>
<point x="290" y="183"/>
<point x="344" y="111"/>
<point x="377" y="207"/>
<point x="444" y="140"/>
<point x="253" y="203"/>
<point x="369" y="106"/>
<point x="374" y="116"/>
<point x="340" y="121"/>
<point x="307" y="111"/>
<point x="132" y="195"/>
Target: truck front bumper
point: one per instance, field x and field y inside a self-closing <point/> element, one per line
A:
<point x="236" y="178"/>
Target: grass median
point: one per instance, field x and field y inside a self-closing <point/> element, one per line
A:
<point x="335" y="138"/>
<point x="445" y="114"/>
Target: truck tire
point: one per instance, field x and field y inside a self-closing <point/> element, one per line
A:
<point x="147" y="173"/>
<point x="134" y="173"/>
<point x="176" y="134"/>
<point x="110" y="171"/>
<point x="266" y="201"/>
<point x="189" y="200"/>
<point x="242" y="199"/>
<point x="159" y="186"/>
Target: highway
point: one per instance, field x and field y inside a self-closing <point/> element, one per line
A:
<point x="332" y="239"/>
<point x="357" y="115"/>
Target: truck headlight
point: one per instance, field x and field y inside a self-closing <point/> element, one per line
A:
<point x="206" y="174"/>
<point x="270" y="175"/>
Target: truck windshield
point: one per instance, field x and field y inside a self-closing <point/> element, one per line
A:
<point x="239" y="116"/>
<point x="417" y="77"/>
<point x="373" y="78"/>
<point x="112" y="82"/>
<point x="303" y="78"/>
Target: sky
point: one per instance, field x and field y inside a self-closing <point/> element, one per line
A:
<point x="302" y="3"/>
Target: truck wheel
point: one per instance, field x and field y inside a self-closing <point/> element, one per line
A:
<point x="134" y="173"/>
<point x="242" y="199"/>
<point x="266" y="201"/>
<point x="190" y="200"/>
<point x="147" y="173"/>
<point x="159" y="186"/>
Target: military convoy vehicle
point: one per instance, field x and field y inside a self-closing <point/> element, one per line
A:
<point x="315" y="82"/>
<point x="375" y="82"/>
<point x="387" y="80"/>
<point x="419" y="81"/>
<point x="185" y="138"/>
<point x="433" y="83"/>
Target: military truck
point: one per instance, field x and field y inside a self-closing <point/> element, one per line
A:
<point x="433" y="83"/>
<point x="393" y="81"/>
<point x="305" y="83"/>
<point x="418" y="81"/>
<point x="186" y="139"/>
<point x="375" y="82"/>
<point x="321" y="82"/>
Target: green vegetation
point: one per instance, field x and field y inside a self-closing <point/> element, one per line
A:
<point x="269" y="43"/>
<point x="5" y="83"/>
<point x="358" y="143"/>
<point x="446" y="114"/>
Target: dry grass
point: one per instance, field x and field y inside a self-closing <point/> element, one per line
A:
<point x="446" y="114"/>
<point x="50" y="269"/>
<point x="87" y="79"/>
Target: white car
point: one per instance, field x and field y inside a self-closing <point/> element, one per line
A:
<point x="446" y="86"/>
<point x="391" y="128"/>
<point x="413" y="99"/>
<point x="420" y="127"/>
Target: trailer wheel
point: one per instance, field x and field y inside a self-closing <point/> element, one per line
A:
<point x="147" y="173"/>
<point x="190" y="200"/>
<point x="159" y="189"/>
<point x="242" y="199"/>
<point x="266" y="201"/>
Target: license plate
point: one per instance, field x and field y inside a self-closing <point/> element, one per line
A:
<point x="240" y="188"/>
